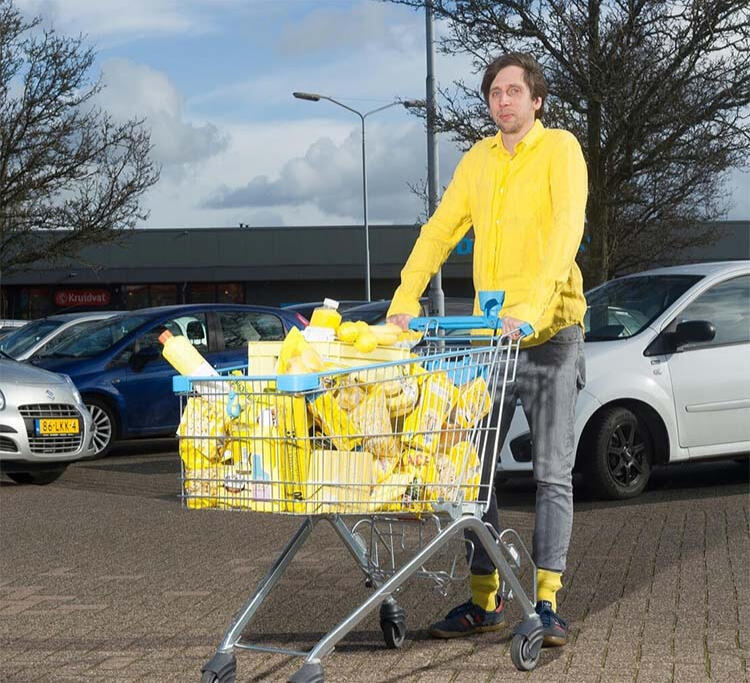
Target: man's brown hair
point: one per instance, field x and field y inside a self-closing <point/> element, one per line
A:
<point x="532" y="75"/>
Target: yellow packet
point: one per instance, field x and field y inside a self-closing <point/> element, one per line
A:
<point x="405" y="399"/>
<point x="202" y="432"/>
<point x="335" y="422"/>
<point x="389" y="494"/>
<point x="473" y="403"/>
<point x="201" y="486"/>
<point x="422" y="426"/>
<point x="374" y="423"/>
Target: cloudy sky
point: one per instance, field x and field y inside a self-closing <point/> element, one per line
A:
<point x="214" y="80"/>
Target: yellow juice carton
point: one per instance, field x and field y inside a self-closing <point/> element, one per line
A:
<point x="422" y="427"/>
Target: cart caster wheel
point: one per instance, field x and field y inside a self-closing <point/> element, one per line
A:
<point x="523" y="653"/>
<point x="311" y="672"/>
<point x="394" y="633"/>
<point x="221" y="668"/>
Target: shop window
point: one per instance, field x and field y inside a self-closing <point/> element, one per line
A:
<point x="136" y="296"/>
<point x="163" y="295"/>
<point x="201" y="293"/>
<point x="230" y="293"/>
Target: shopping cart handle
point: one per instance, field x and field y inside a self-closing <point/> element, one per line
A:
<point x="491" y="304"/>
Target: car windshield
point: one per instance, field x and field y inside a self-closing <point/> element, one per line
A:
<point x="95" y="337"/>
<point x="20" y="341"/>
<point x="621" y="308"/>
<point x="64" y="337"/>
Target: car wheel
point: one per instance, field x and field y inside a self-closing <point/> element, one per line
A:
<point x="103" y="426"/>
<point x="619" y="453"/>
<point x="39" y="477"/>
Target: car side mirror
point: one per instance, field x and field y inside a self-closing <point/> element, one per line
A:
<point x="145" y="355"/>
<point x="693" y="331"/>
<point x="689" y="332"/>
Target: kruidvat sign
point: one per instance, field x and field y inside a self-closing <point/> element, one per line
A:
<point x="82" y="297"/>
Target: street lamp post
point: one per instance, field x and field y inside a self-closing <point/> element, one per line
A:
<point x="314" y="97"/>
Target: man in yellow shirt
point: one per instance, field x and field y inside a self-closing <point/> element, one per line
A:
<point x="524" y="192"/>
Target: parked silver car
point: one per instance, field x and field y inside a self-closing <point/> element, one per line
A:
<point x="44" y="424"/>
<point x="40" y="335"/>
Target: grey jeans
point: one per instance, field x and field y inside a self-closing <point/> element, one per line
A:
<point x="548" y="379"/>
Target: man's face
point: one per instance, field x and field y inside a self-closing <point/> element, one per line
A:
<point x="511" y="105"/>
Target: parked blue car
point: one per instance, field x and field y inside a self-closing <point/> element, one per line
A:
<point x="117" y="365"/>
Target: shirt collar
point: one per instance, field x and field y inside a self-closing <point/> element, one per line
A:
<point x="529" y="140"/>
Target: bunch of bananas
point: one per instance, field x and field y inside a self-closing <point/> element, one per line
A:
<point x="366" y="337"/>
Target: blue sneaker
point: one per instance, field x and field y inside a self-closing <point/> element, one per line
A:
<point x="467" y="619"/>
<point x="555" y="627"/>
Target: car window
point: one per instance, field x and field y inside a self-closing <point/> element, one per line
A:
<point x="64" y="336"/>
<point x="98" y="337"/>
<point x="20" y="341"/>
<point x="192" y="326"/>
<point x="727" y="307"/>
<point x="622" y="308"/>
<point x="240" y="327"/>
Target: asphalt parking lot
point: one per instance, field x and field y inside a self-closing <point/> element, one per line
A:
<point x="104" y="577"/>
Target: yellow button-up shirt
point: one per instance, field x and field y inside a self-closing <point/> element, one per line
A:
<point x="528" y="213"/>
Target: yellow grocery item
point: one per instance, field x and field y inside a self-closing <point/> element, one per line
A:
<point x="184" y="357"/>
<point x="326" y="315"/>
<point x="365" y="342"/>
<point x="335" y="422"/>
<point x="491" y="192"/>
<point x="350" y="395"/>
<point x="421" y="427"/>
<point x="373" y="422"/>
<point x="262" y="487"/>
<point x="387" y="334"/>
<point x="347" y="332"/>
<point x="473" y="403"/>
<point x="339" y="481"/>
<point x="297" y="357"/>
<point x="403" y="401"/>
<point x="389" y="494"/>
<point x="202" y="428"/>
<point x="201" y="486"/>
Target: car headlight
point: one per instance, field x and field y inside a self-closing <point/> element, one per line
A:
<point x="2" y="400"/>
<point x="74" y="390"/>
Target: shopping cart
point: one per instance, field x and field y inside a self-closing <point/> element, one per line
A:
<point x="376" y="451"/>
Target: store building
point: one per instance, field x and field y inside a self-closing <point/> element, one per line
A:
<point x="152" y="267"/>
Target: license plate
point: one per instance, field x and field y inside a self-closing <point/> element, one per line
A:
<point x="57" y="426"/>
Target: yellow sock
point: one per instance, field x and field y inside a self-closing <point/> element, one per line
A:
<point x="484" y="588"/>
<point x="547" y="585"/>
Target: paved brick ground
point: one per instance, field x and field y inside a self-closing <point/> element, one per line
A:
<point x="103" y="577"/>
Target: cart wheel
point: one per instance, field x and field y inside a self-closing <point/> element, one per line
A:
<point x="523" y="655"/>
<point x="311" y="672"/>
<point x="394" y="633"/>
<point x="221" y="668"/>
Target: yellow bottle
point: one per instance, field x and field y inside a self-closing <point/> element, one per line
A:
<point x="184" y="357"/>
<point x="326" y="315"/>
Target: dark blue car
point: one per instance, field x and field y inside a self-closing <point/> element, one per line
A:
<point x="127" y="385"/>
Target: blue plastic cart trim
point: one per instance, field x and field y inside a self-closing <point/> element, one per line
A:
<point x="491" y="304"/>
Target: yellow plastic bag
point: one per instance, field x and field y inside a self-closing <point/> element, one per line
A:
<point x="473" y="403"/>
<point x="373" y="421"/>
<point x="422" y="426"/>
<point x="335" y="422"/>
<point x="201" y="431"/>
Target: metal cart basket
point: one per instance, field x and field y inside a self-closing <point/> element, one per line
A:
<point x="365" y="447"/>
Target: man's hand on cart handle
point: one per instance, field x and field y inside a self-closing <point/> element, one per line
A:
<point x="400" y="319"/>
<point x="512" y="326"/>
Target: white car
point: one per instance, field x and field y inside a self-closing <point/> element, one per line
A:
<point x="667" y="377"/>
<point x="41" y="335"/>
<point x="44" y="424"/>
